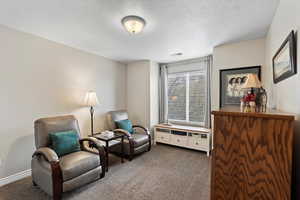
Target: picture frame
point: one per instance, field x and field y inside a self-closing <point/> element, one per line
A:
<point x="231" y="81"/>
<point x="284" y="61"/>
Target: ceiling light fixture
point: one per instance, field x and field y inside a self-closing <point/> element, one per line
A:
<point x="133" y="24"/>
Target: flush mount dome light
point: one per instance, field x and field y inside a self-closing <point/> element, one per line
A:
<point x="133" y="24"/>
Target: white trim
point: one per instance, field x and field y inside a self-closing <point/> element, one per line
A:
<point x="15" y="177"/>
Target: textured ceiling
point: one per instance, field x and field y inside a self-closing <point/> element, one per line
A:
<point x="192" y="27"/>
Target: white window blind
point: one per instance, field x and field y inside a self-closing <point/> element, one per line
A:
<point x="187" y="97"/>
<point x="187" y="92"/>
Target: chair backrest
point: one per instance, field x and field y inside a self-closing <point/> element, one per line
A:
<point x="114" y="116"/>
<point x="44" y="126"/>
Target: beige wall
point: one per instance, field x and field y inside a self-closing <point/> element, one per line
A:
<point x="241" y="54"/>
<point x="138" y="92"/>
<point x="142" y="92"/>
<point x="40" y="78"/>
<point x="286" y="94"/>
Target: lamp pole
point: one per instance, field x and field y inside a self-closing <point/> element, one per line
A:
<point x="92" y="119"/>
<point x="91" y="101"/>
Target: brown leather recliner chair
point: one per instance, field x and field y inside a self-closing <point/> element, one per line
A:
<point x="55" y="174"/>
<point x="137" y="142"/>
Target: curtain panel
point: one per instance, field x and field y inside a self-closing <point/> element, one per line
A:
<point x="208" y="61"/>
<point x="163" y="94"/>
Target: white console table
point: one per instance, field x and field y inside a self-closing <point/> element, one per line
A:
<point x="196" y="138"/>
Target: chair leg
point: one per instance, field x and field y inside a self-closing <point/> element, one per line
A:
<point x="34" y="184"/>
<point x="57" y="196"/>
<point x="56" y="181"/>
<point x="57" y="193"/>
<point x="130" y="157"/>
<point x="131" y="150"/>
<point x="150" y="143"/>
<point x="149" y="148"/>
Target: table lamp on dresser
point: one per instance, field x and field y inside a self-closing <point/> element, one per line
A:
<point x="91" y="101"/>
<point x="258" y="98"/>
<point x="252" y="82"/>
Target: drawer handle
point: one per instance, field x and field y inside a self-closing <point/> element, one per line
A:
<point x="197" y="143"/>
<point x="178" y="140"/>
<point x="162" y="137"/>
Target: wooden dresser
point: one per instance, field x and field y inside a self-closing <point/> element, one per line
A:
<point x="252" y="155"/>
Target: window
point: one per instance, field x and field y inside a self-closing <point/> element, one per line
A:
<point x="184" y="92"/>
<point x="187" y="97"/>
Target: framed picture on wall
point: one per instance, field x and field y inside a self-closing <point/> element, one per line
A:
<point x="284" y="61"/>
<point x="231" y="82"/>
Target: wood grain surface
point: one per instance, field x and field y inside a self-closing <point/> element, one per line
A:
<point x="252" y="157"/>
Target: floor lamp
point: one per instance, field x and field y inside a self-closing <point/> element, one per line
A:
<point x="92" y="101"/>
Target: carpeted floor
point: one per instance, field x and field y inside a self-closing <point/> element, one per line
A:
<point x="164" y="173"/>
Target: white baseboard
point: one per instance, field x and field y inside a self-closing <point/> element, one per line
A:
<point x="15" y="177"/>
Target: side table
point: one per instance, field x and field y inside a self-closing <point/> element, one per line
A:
<point x="111" y="141"/>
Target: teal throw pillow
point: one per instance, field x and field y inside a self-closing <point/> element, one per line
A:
<point x="125" y="125"/>
<point x="65" y="142"/>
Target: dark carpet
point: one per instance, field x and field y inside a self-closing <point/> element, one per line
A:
<point x="164" y="173"/>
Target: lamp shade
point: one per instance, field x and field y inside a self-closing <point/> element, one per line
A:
<point x="252" y="82"/>
<point x="91" y="99"/>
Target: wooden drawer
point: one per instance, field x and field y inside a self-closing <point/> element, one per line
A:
<point x="179" y="140"/>
<point x="199" y="140"/>
<point x="162" y="137"/>
<point x="198" y="143"/>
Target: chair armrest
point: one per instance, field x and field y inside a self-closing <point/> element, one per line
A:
<point x="146" y="130"/>
<point x="47" y="153"/>
<point x="129" y="137"/>
<point x="121" y="131"/>
<point x="52" y="158"/>
<point x="95" y="143"/>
